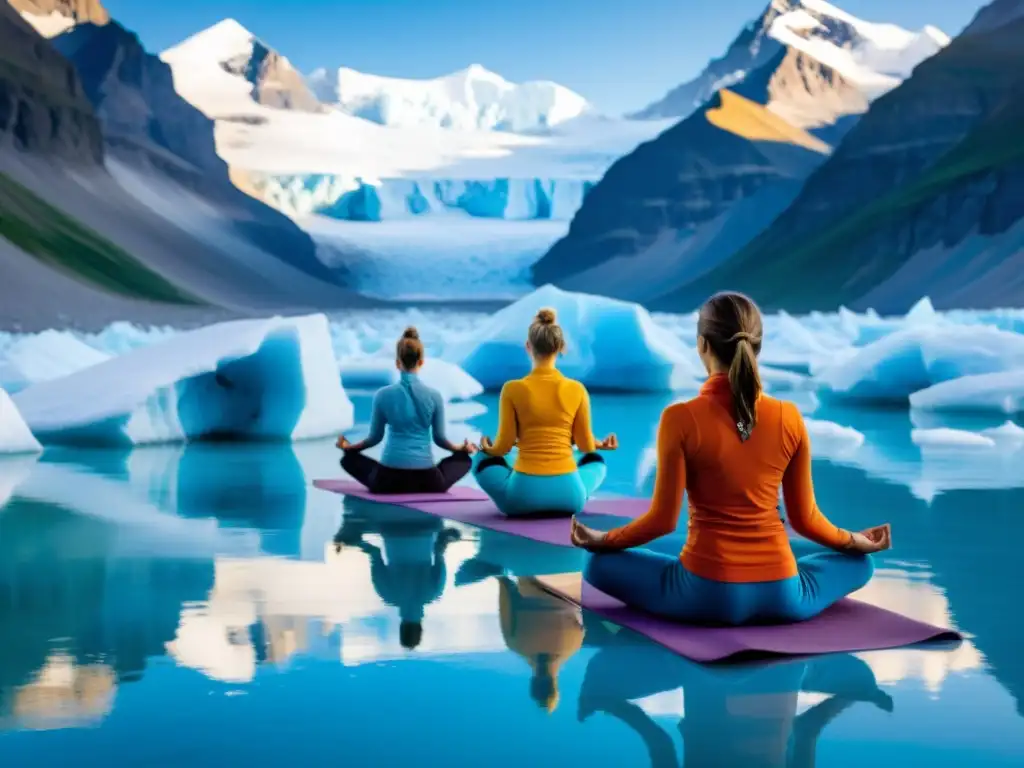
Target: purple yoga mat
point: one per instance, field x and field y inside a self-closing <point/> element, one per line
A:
<point x="352" y="488"/>
<point x="847" y="626"/>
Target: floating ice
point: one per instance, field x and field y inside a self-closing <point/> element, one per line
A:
<point x="15" y="436"/>
<point x="829" y="439"/>
<point x="984" y="393"/>
<point x="894" y="367"/>
<point x="374" y="372"/>
<point x="249" y="379"/>
<point x="611" y="345"/>
<point x="1006" y="433"/>
<point x="44" y="356"/>
<point x="943" y="437"/>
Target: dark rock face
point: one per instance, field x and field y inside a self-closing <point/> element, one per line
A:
<point x="147" y="124"/>
<point x="78" y="11"/>
<point x="276" y="83"/>
<point x="996" y="15"/>
<point x="932" y="163"/>
<point x="43" y="108"/>
<point x="737" y="146"/>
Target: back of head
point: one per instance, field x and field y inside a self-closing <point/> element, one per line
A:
<point x="410" y="633"/>
<point x="731" y="325"/>
<point x="545" y="335"/>
<point x="544" y="687"/>
<point x="409" y="349"/>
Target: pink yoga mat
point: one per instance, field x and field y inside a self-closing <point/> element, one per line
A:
<point x="847" y="626"/>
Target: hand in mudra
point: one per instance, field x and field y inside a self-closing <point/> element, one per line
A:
<point x="343" y="443"/>
<point x="610" y="443"/>
<point x="871" y="540"/>
<point x="586" y="538"/>
<point x="486" y="444"/>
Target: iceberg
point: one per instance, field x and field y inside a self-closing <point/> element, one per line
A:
<point x="611" y="345"/>
<point x="15" y="436"/>
<point x="374" y="372"/>
<point x="983" y="393"/>
<point x="830" y="440"/>
<point x="270" y="379"/>
<point x="943" y="437"/>
<point x="44" y="356"/>
<point x="892" y="368"/>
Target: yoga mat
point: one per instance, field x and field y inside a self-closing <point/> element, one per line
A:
<point x="352" y="488"/>
<point x="847" y="626"/>
<point x="548" y="530"/>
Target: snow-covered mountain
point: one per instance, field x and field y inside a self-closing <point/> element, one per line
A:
<point x="874" y="57"/>
<point x="473" y="98"/>
<point x="227" y="64"/>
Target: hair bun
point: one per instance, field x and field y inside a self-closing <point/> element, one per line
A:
<point x="546" y="316"/>
<point x="411" y="333"/>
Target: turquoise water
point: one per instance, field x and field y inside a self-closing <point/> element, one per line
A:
<point x="192" y="605"/>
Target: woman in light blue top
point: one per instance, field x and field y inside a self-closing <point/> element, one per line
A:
<point x="412" y="415"/>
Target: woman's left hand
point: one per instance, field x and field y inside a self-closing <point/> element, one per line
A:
<point x="486" y="444"/>
<point x="343" y="443"/>
<point x="587" y="538"/>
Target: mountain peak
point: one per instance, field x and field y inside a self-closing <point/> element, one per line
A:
<point x="871" y="56"/>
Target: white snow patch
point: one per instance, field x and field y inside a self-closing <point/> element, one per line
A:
<point x="15" y="436"/>
<point x="986" y="393"/>
<point x="51" y="25"/>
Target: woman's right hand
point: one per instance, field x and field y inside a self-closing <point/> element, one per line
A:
<point x="871" y="540"/>
<point x="485" y="444"/>
<point x="610" y="443"/>
<point x="343" y="443"/>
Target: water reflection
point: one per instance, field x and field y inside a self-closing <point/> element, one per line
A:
<point x="410" y="572"/>
<point x="729" y="715"/>
<point x="546" y="631"/>
<point x="81" y="613"/>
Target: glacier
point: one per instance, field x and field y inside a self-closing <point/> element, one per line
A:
<point x="44" y="356"/>
<point x="611" y="345"/>
<point x="354" y="198"/>
<point x="250" y="379"/>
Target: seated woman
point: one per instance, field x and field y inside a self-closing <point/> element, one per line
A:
<point x="413" y="414"/>
<point x="546" y="413"/>
<point x="730" y="448"/>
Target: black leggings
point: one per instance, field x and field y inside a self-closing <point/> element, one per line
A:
<point x="387" y="480"/>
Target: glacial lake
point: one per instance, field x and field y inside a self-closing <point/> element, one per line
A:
<point x="203" y="605"/>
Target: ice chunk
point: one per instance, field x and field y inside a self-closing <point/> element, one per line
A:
<point x="894" y="367"/>
<point x="15" y="436"/>
<point x="830" y="440"/>
<point x="984" y="393"/>
<point x="943" y="437"/>
<point x="1006" y="433"/>
<point x="248" y="379"/>
<point x="44" y="356"/>
<point x="374" y="372"/>
<point x="611" y="345"/>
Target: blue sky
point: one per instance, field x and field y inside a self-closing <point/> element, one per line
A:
<point x="621" y="55"/>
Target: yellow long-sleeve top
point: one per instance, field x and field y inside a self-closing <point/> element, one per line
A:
<point x="546" y="413"/>
<point x="536" y="625"/>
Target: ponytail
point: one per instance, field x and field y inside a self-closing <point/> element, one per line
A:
<point x="745" y="382"/>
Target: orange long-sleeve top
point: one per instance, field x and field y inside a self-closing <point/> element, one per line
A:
<point x="544" y="413"/>
<point x="734" y="532"/>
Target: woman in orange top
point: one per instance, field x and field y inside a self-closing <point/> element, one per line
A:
<point x="731" y="447"/>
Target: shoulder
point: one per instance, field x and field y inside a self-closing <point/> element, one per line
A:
<point x="512" y="386"/>
<point x="386" y="392"/>
<point x="681" y="413"/>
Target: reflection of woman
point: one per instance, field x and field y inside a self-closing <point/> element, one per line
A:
<point x="742" y="716"/>
<point x="544" y="630"/>
<point x="410" y="573"/>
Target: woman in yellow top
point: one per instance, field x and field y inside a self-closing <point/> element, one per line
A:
<point x="545" y="414"/>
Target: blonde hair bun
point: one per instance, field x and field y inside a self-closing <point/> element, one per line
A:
<point x="411" y="333"/>
<point x="546" y="316"/>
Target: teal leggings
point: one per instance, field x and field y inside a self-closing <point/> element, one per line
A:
<point x="655" y="581"/>
<point x="519" y="495"/>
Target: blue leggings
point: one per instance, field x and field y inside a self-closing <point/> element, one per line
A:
<point x="519" y="495"/>
<point x="656" y="582"/>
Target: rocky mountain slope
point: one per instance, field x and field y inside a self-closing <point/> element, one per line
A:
<point x="683" y="202"/>
<point x="149" y="126"/>
<point x="52" y="17"/>
<point x="873" y="57"/>
<point x="924" y="197"/>
<point x="87" y="238"/>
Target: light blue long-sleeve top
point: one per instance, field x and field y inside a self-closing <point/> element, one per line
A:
<point x="413" y="415"/>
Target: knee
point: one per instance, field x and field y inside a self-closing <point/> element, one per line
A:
<point x="590" y="458"/>
<point x="863" y="567"/>
<point x="600" y="569"/>
<point x="346" y="461"/>
<point x="490" y="461"/>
